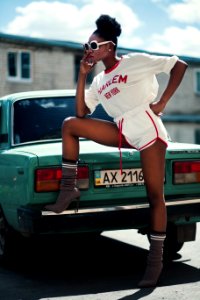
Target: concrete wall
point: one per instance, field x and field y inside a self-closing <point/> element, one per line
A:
<point x="51" y="68"/>
<point x="182" y="132"/>
<point x="185" y="100"/>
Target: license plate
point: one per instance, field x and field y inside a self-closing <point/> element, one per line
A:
<point x="114" y="178"/>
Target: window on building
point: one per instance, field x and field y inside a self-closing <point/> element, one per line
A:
<point x="19" y="65"/>
<point x="197" y="81"/>
<point x="77" y="66"/>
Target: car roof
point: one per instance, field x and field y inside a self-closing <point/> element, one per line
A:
<point x="38" y="94"/>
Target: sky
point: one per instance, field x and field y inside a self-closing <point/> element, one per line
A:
<point x="163" y="26"/>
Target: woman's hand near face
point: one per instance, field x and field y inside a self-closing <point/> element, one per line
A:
<point x="87" y="63"/>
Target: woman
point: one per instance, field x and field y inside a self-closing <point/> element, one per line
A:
<point x="127" y="89"/>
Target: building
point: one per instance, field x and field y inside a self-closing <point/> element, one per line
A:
<point x="38" y="64"/>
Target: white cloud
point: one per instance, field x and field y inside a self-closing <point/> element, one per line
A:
<point x="188" y="11"/>
<point x="177" y="40"/>
<point x="59" y="20"/>
<point x="76" y="21"/>
<point x="181" y="41"/>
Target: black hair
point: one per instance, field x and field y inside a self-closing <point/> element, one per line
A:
<point x="108" y="28"/>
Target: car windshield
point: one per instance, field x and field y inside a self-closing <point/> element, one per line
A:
<point x="41" y="118"/>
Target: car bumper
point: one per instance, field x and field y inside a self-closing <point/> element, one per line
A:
<point x="33" y="221"/>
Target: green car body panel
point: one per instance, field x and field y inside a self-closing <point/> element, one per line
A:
<point x="101" y="208"/>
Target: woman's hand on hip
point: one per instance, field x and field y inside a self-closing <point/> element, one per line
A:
<point x="157" y="108"/>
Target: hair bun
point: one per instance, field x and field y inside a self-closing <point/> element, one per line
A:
<point x="109" y="26"/>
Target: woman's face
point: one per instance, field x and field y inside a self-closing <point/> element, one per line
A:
<point x="103" y="51"/>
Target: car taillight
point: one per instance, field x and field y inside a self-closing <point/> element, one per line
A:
<point x="48" y="179"/>
<point x="83" y="177"/>
<point x="186" y="172"/>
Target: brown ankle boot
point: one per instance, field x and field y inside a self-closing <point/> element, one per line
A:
<point x="68" y="190"/>
<point x="154" y="261"/>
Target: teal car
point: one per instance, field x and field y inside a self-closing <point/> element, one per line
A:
<point x="30" y="173"/>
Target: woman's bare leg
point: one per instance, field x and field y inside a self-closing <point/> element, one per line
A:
<point x="100" y="131"/>
<point x="153" y="164"/>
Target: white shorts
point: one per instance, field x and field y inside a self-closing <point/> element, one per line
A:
<point x="141" y="127"/>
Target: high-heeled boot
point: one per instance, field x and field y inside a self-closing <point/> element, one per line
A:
<point x="68" y="190"/>
<point x="154" y="261"/>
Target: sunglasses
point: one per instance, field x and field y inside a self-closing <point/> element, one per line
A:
<point x="94" y="45"/>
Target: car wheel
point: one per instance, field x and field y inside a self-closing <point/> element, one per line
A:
<point x="172" y="245"/>
<point x="7" y="238"/>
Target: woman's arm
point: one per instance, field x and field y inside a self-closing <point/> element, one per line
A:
<point x="176" y="76"/>
<point x="81" y="109"/>
<point x="85" y="67"/>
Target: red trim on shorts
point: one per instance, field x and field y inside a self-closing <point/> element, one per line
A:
<point x="128" y="144"/>
<point x="120" y="125"/>
<point x="157" y="136"/>
<point x="163" y="141"/>
<point x="152" y="122"/>
<point x="148" y="144"/>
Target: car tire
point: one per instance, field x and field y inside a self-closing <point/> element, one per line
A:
<point x="171" y="244"/>
<point x="7" y="239"/>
